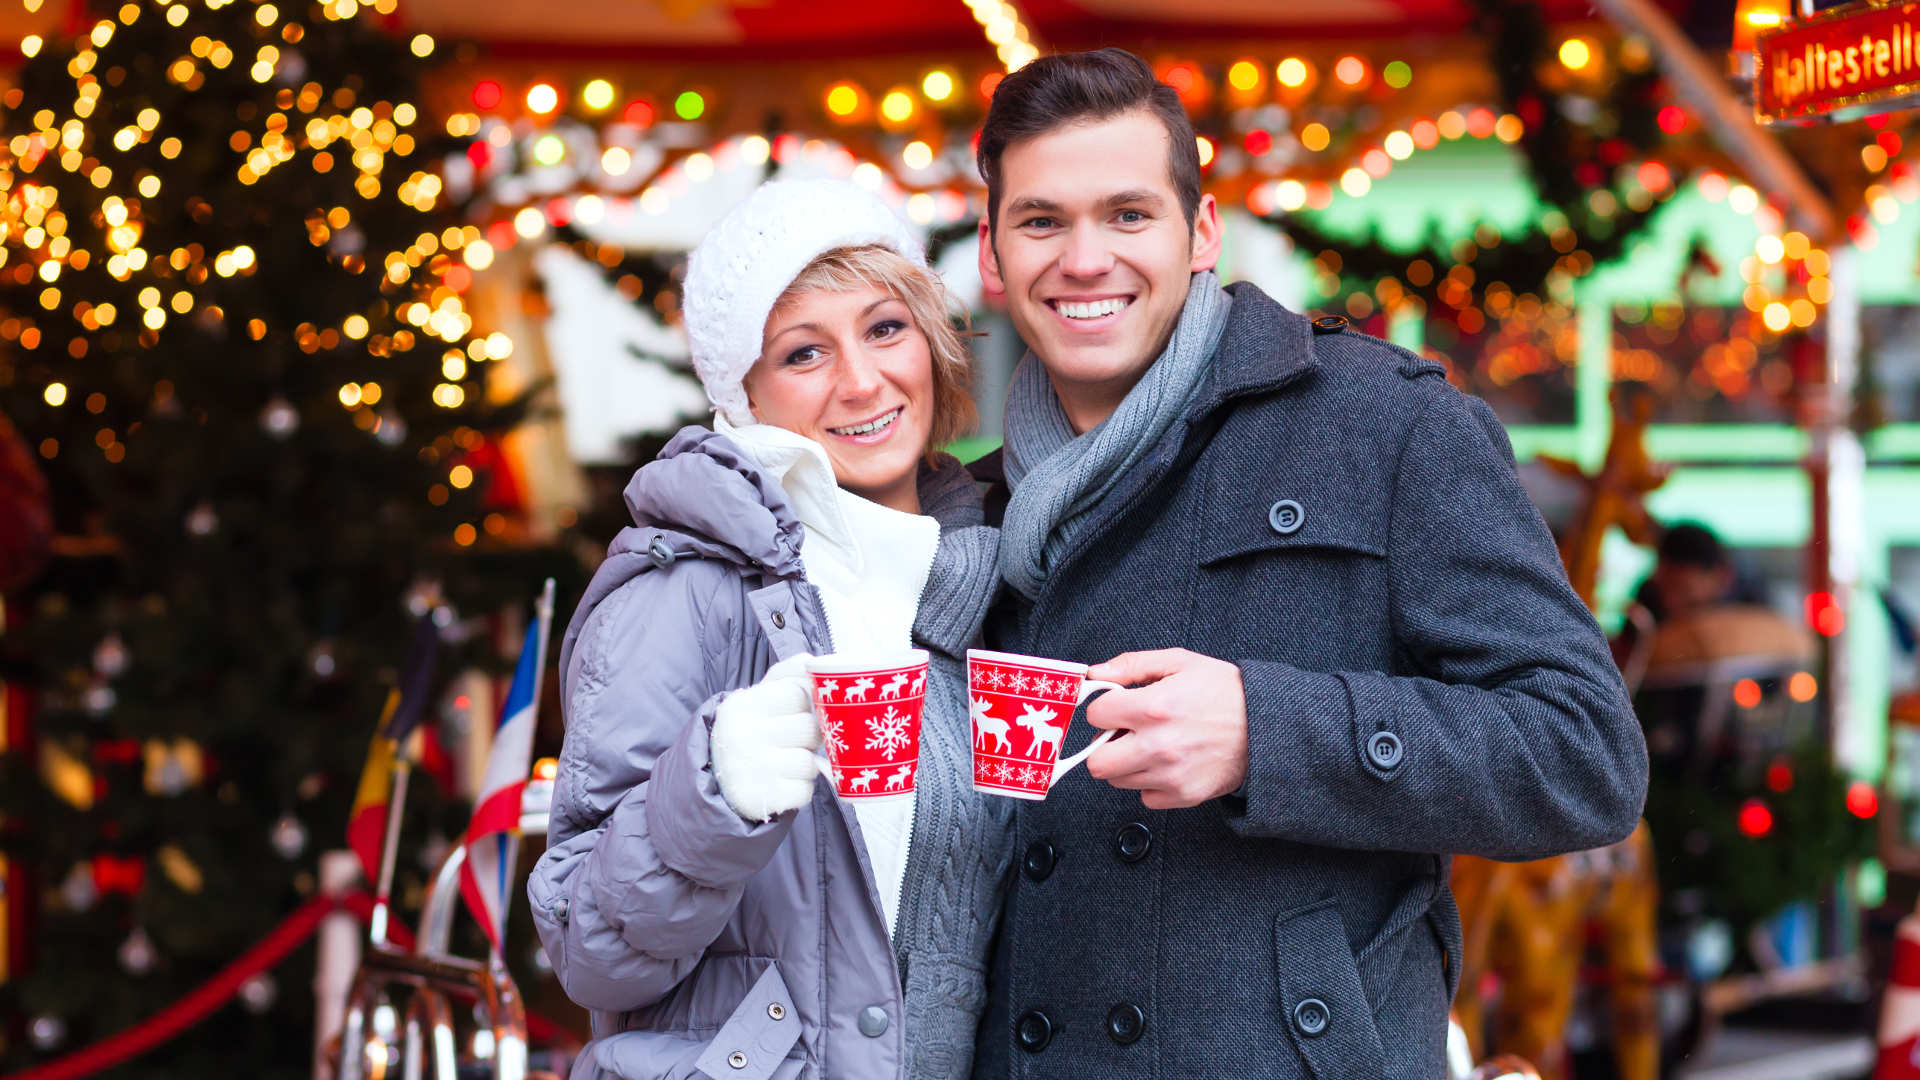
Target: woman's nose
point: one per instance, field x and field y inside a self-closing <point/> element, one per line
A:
<point x="859" y="375"/>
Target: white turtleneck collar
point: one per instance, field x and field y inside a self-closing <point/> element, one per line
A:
<point x="870" y="564"/>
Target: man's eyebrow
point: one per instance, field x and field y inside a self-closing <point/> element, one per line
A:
<point x="1029" y="203"/>
<point x="1138" y="197"/>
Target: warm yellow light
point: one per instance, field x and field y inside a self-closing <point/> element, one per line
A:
<point x="921" y="208"/>
<point x="460" y="476"/>
<point x="422" y="45"/>
<point x="242" y="257"/>
<point x="938" y="86"/>
<point x="843" y="99"/>
<point x="1802" y="312"/>
<point x="1205" y="146"/>
<point x="1575" y="54"/>
<point x="1292" y="71"/>
<point x="615" y="161"/>
<point x="499" y="346"/>
<point x="30" y="46"/>
<point x="370" y="393"/>
<point x="479" y="255"/>
<point x="597" y="94"/>
<point x="897" y="106"/>
<point x="1290" y="195"/>
<point x="266" y="14"/>
<point x="917" y="155"/>
<point x="55" y="394"/>
<point x="1356" y="182"/>
<point x="1243" y="75"/>
<point x="1769" y="248"/>
<point x="1399" y="145"/>
<point x="350" y="395"/>
<point x="354" y="326"/>
<point x="1509" y="128"/>
<point x="542" y="98"/>
<point x="182" y="303"/>
<point x="454" y="366"/>
<point x="1776" y="316"/>
<point x="155" y="318"/>
<point x="755" y="149"/>
<point x="1351" y="70"/>
<point x="1315" y="136"/>
<point x="529" y="223"/>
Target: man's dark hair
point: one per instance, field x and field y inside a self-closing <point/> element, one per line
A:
<point x="1055" y="91"/>
<point x="1692" y="544"/>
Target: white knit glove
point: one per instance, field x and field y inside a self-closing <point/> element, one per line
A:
<point x="763" y="741"/>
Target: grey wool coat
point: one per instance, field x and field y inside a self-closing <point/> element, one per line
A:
<point x="707" y="945"/>
<point x="1420" y="681"/>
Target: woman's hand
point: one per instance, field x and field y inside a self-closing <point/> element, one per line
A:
<point x="764" y="737"/>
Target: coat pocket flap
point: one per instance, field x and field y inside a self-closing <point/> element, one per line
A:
<point x="1322" y="1004"/>
<point x="758" y="1036"/>
<point x="1299" y="516"/>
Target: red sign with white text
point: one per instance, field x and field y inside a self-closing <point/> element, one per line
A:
<point x="1843" y="63"/>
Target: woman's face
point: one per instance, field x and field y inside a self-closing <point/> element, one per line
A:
<point x="852" y="372"/>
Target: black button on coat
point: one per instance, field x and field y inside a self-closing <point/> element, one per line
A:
<point x="1420" y="680"/>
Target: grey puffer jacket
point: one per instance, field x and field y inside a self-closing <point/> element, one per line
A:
<point x="707" y="945"/>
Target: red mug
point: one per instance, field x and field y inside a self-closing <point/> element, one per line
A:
<point x="870" y="707"/>
<point x="1037" y="696"/>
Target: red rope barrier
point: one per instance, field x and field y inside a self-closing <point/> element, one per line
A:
<point x="191" y="1009"/>
<point x="217" y="991"/>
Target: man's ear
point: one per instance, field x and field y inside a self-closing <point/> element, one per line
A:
<point x="992" y="288"/>
<point x="1206" y="236"/>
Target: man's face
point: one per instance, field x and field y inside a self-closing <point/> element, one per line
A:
<point x="1094" y="255"/>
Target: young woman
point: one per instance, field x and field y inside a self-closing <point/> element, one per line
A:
<point x="717" y="907"/>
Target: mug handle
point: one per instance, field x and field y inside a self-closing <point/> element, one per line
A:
<point x="1065" y="765"/>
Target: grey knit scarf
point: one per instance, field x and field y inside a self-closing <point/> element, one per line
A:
<point x="1057" y="477"/>
<point x="962" y="847"/>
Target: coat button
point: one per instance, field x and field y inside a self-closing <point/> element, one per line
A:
<point x="777" y="1011"/>
<point x="1132" y="841"/>
<point x="561" y="909"/>
<point x="1310" y="1016"/>
<point x="1126" y="1023"/>
<point x="1286" y="517"/>
<point x="779" y="620"/>
<point x="1385" y="750"/>
<point x="1039" y="860"/>
<point x="872" y="1021"/>
<point x="737" y="1059"/>
<point x="1329" y="324"/>
<point x="1034" y="1031"/>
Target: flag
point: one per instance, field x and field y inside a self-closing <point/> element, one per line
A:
<point x="486" y="876"/>
<point x="369" y="818"/>
<point x="405" y="705"/>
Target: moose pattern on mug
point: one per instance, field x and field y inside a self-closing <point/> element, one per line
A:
<point x="1019" y="715"/>
<point x="870" y="722"/>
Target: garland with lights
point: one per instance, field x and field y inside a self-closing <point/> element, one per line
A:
<point x="231" y="292"/>
<point x="1568" y="159"/>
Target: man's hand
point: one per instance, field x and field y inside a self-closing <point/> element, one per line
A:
<point x="1186" y="716"/>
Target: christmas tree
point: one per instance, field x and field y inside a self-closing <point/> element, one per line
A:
<point x="230" y="298"/>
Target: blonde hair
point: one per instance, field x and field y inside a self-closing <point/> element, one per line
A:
<point x="938" y="318"/>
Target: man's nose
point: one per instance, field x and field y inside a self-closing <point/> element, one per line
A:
<point x="1087" y="254"/>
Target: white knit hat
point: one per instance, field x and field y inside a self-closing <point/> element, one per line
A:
<point x="753" y="254"/>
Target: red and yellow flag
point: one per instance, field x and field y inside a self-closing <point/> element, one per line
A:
<point x="367" y="825"/>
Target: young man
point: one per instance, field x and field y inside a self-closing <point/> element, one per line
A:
<point x="1352" y="648"/>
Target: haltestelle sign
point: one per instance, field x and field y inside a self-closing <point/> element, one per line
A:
<point x="1841" y="64"/>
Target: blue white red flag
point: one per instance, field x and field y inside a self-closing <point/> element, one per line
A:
<point x="493" y="834"/>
